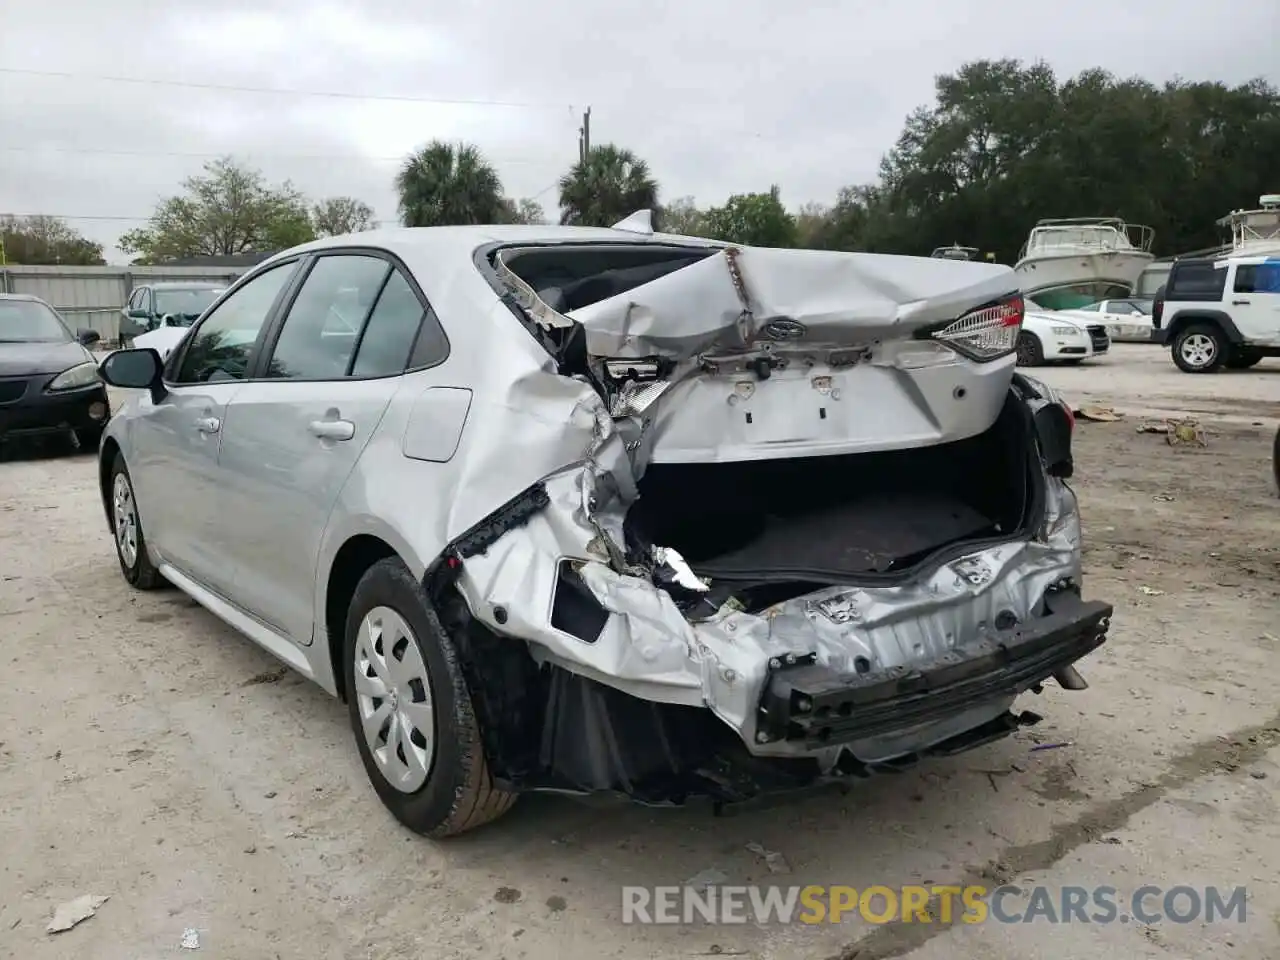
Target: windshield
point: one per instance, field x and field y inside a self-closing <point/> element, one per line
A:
<point x="30" y="321"/>
<point x="1145" y="306"/>
<point x="185" y="305"/>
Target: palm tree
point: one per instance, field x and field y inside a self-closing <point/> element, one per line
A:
<point x="609" y="186"/>
<point x="442" y="184"/>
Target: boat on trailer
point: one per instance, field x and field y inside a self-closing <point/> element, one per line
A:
<point x="1068" y="263"/>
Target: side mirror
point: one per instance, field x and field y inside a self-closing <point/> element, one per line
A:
<point x="88" y="337"/>
<point x="138" y="369"/>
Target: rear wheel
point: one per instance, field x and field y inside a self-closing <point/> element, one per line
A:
<point x="1242" y="358"/>
<point x="131" y="545"/>
<point x="1199" y="348"/>
<point x="1030" y="350"/>
<point x="411" y="711"/>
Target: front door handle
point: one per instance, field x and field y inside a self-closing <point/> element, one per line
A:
<point x="208" y="424"/>
<point x="1239" y="303"/>
<point x="333" y="429"/>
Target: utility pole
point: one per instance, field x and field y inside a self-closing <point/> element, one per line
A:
<point x="584" y="137"/>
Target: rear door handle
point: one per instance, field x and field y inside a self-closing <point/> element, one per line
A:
<point x="1239" y="303"/>
<point x="208" y="424"/>
<point x="333" y="429"/>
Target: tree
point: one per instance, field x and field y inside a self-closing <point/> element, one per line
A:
<point x="334" y="216"/>
<point x="753" y="219"/>
<point x="46" y="240"/>
<point x="1006" y="144"/>
<point x="682" y="216"/>
<point x="610" y="185"/>
<point x="524" y="210"/>
<point x="442" y="184"/>
<point x="229" y="209"/>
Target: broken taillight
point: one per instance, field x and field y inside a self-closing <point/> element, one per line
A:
<point x="987" y="333"/>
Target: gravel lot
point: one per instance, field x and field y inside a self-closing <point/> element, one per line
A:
<point x="149" y="754"/>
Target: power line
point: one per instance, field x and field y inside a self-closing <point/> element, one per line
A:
<point x="385" y="98"/>
<point x="287" y="91"/>
<point x="250" y="154"/>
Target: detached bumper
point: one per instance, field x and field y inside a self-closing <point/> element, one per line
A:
<point x="37" y="412"/>
<point x="810" y="704"/>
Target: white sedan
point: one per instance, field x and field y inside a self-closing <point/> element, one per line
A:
<point x="1127" y="320"/>
<point x="1050" y="336"/>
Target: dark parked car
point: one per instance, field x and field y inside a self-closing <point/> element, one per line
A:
<point x="150" y="303"/>
<point x="49" y="380"/>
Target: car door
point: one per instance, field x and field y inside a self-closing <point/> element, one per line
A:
<point x="174" y="443"/>
<point x="1255" y="301"/>
<point x="295" y="432"/>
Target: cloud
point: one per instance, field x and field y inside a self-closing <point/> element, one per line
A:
<point x="721" y="96"/>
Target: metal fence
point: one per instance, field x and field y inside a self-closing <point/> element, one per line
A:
<point x="93" y="296"/>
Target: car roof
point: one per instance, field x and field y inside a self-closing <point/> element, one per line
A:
<point x="185" y="285"/>
<point x="22" y="296"/>
<point x="456" y="244"/>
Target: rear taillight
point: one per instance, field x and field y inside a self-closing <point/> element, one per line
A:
<point x="1157" y="311"/>
<point x="988" y="333"/>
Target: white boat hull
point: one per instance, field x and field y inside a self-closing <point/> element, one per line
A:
<point x="1081" y="277"/>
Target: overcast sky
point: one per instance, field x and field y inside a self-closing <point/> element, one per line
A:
<point x="720" y="96"/>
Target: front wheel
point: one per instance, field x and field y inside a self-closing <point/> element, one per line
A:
<point x="1199" y="348"/>
<point x="126" y="527"/>
<point x="411" y="710"/>
<point x="1030" y="351"/>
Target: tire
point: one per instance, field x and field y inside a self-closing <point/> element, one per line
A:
<point x="448" y="790"/>
<point x="1242" y="358"/>
<point x="1275" y="459"/>
<point x="1199" y="348"/>
<point x="1030" y="350"/>
<point x="135" y="564"/>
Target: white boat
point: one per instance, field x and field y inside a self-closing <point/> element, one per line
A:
<point x="1256" y="232"/>
<point x="1066" y="264"/>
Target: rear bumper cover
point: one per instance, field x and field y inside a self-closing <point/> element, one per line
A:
<point x="811" y="704"/>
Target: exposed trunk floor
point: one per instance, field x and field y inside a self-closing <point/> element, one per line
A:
<point x="868" y="535"/>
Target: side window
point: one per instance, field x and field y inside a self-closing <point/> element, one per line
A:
<point x="388" y="336"/>
<point x="135" y="300"/>
<point x="220" y="346"/>
<point x="319" y="334"/>
<point x="1091" y="307"/>
<point x="1246" y="276"/>
<point x="1199" y="280"/>
<point x="1267" y="279"/>
<point x="144" y="300"/>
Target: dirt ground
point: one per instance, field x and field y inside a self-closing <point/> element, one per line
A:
<point x="149" y="754"/>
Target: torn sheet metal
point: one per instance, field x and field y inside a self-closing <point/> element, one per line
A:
<point x="730" y="299"/>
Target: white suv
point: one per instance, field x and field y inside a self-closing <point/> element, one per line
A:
<point x="1220" y="312"/>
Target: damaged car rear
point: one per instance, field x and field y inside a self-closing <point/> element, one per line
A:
<point x="675" y="519"/>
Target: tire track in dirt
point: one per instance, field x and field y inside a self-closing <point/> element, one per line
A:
<point x="1209" y="756"/>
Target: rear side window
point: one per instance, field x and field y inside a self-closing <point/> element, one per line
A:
<point x="320" y="332"/>
<point x="1197" y="280"/>
<point x="1257" y="278"/>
